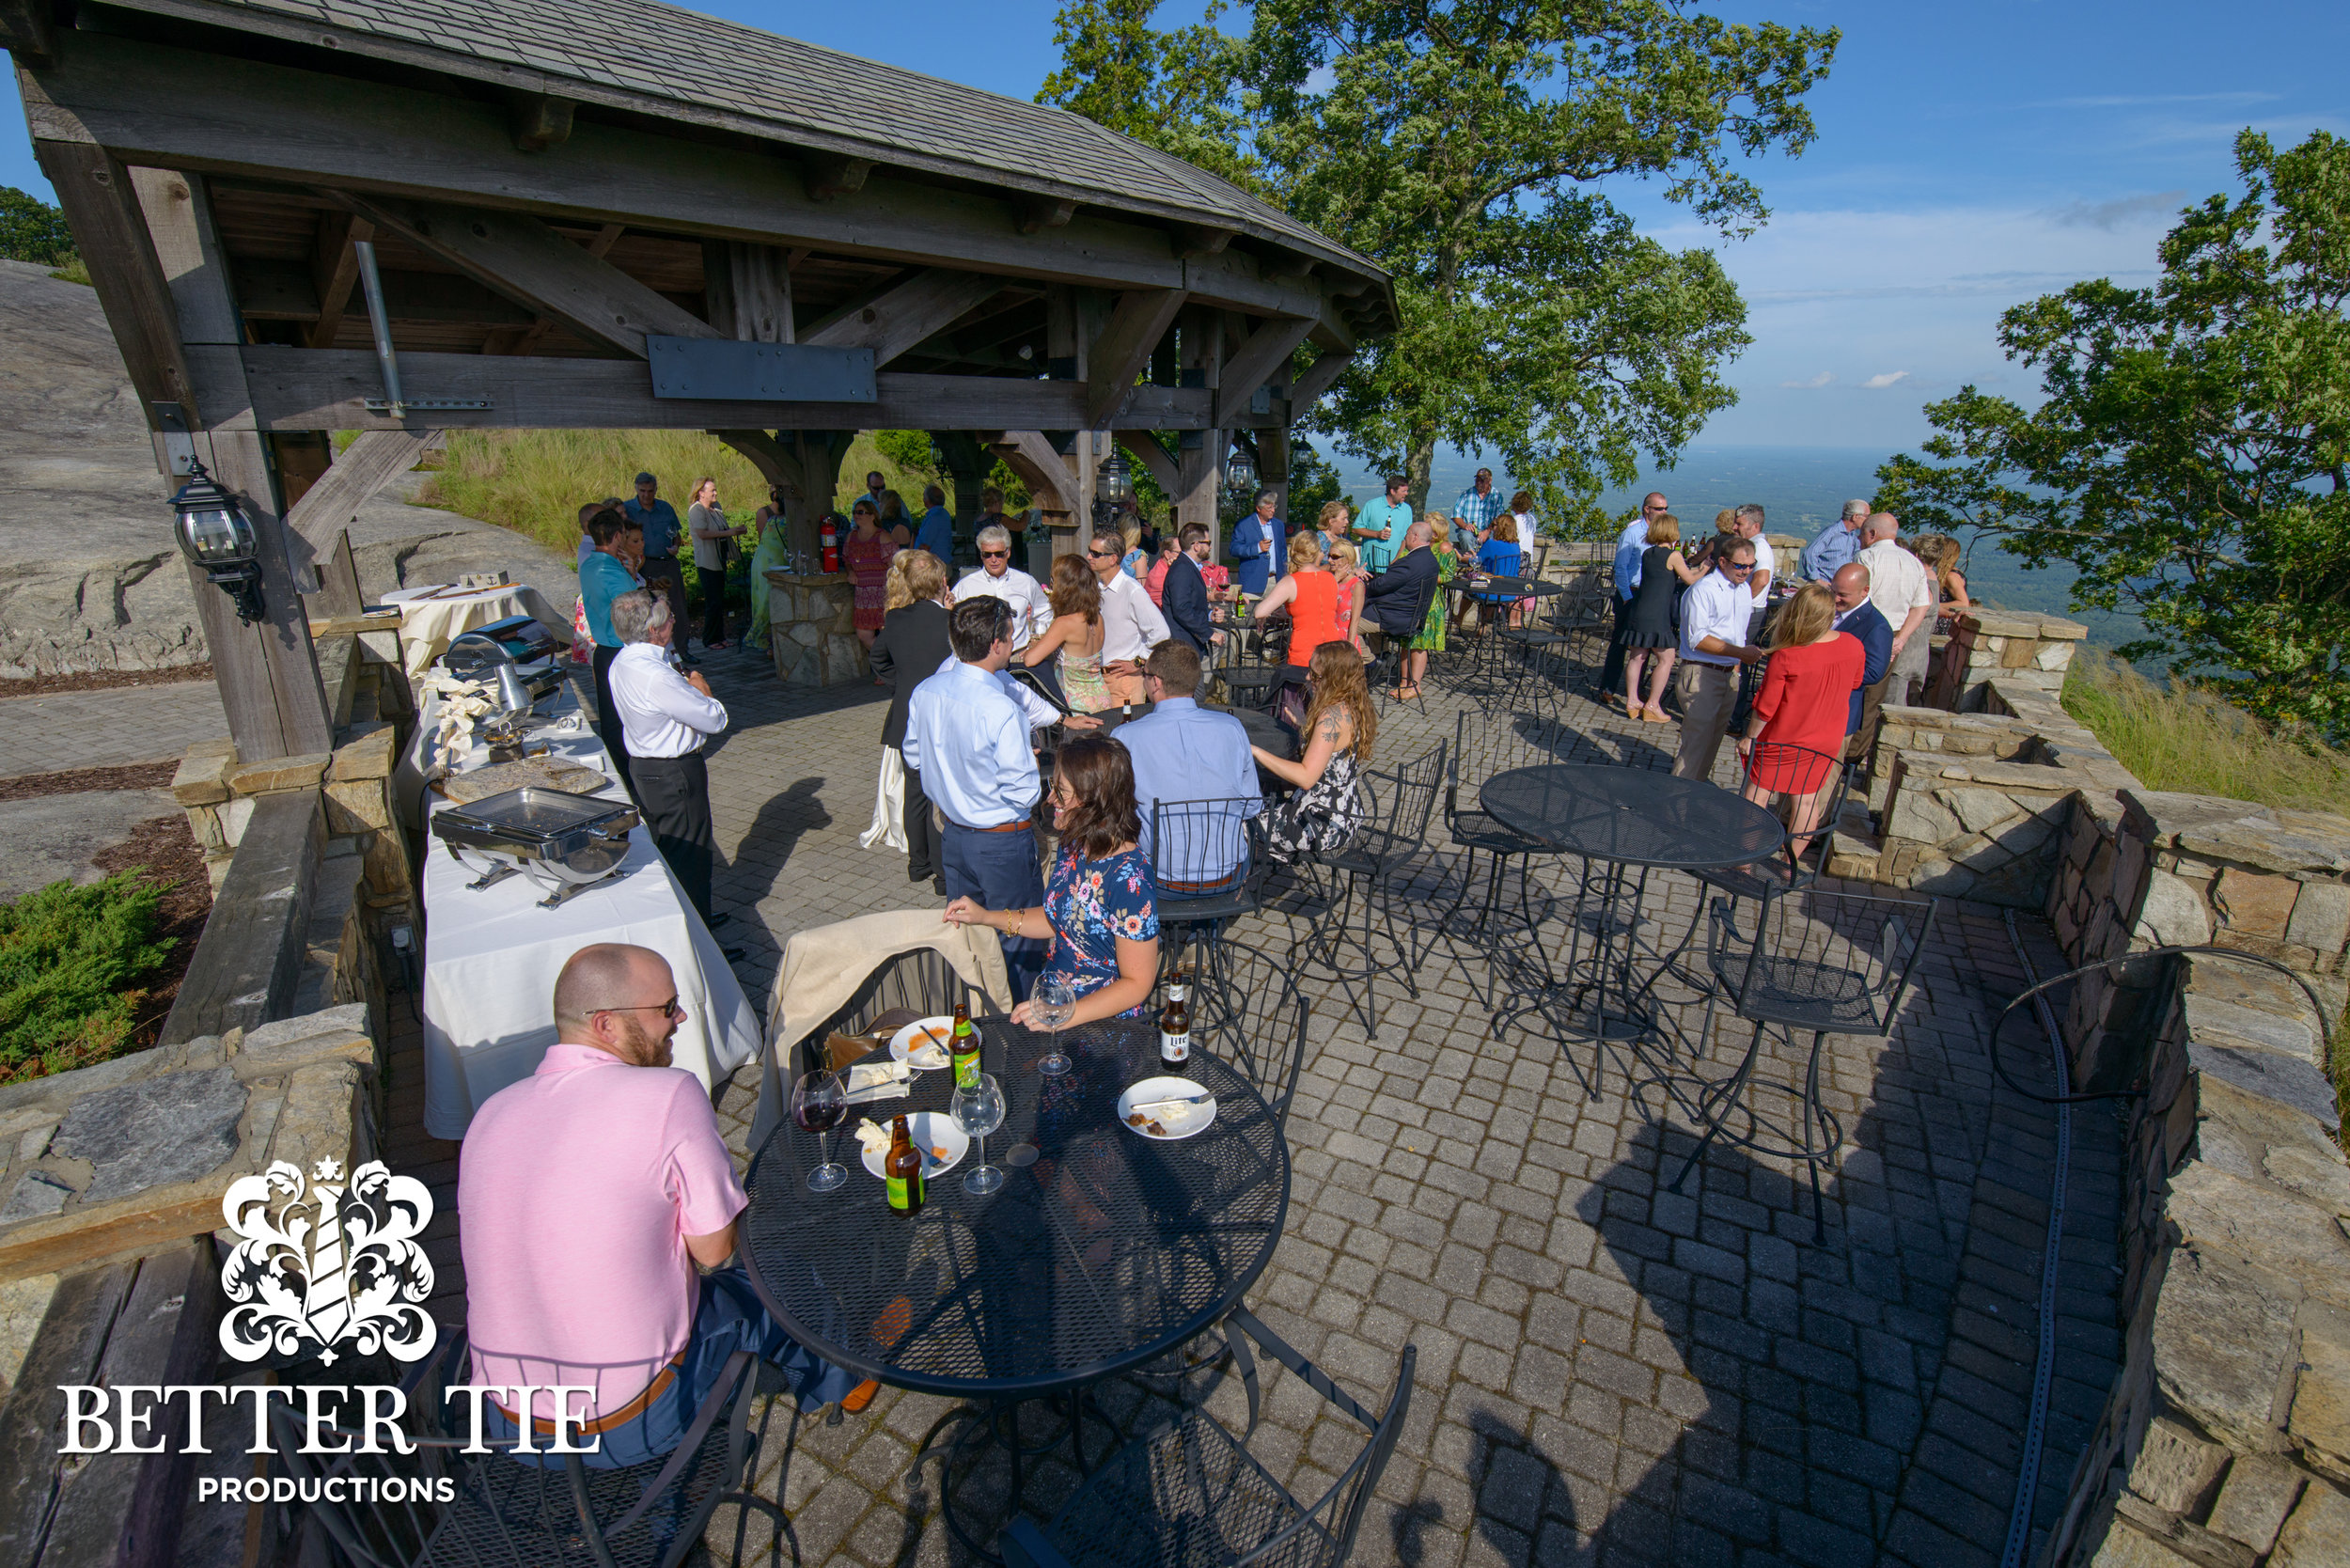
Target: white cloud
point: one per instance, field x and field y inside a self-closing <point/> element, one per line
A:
<point x="1889" y="378"/>
<point x="1811" y="383"/>
<point x="2110" y="215"/>
<point x="2121" y="100"/>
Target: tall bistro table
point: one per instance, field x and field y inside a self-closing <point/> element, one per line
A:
<point x="1505" y="591"/>
<point x="1624" y="823"/>
<point x="1102" y="1252"/>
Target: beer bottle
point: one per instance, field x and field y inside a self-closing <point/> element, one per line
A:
<point x="901" y="1173"/>
<point x="966" y="1048"/>
<point x="1175" y="1024"/>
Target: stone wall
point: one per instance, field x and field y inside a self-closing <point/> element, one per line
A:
<point x="811" y="630"/>
<point x="2024" y="649"/>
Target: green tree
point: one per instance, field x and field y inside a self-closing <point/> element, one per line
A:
<point x="32" y="230"/>
<point x="2188" y="459"/>
<point x="1463" y="146"/>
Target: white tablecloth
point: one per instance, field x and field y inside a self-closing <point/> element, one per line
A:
<point x="490" y="957"/>
<point x="428" y="626"/>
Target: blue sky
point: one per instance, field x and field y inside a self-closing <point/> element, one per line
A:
<point x="1970" y="157"/>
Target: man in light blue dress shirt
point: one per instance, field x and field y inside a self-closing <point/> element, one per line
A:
<point x="967" y="731"/>
<point x="1184" y="752"/>
<point x="1630" y="544"/>
<point x="936" y="531"/>
<point x="1836" y="546"/>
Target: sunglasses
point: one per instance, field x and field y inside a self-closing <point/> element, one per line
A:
<point x="667" y="1010"/>
<point x="994" y="555"/>
<point x="1102" y="554"/>
<point x="1737" y="566"/>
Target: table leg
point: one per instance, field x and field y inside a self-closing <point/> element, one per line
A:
<point x="979" y="1427"/>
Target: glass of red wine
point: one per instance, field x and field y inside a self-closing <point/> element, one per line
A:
<point x="819" y="1103"/>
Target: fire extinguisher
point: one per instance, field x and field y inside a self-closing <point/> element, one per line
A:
<point x="831" y="542"/>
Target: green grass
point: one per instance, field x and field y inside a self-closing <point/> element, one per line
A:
<point x="70" y="961"/>
<point x="2182" y="738"/>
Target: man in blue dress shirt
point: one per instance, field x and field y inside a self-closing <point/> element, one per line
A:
<point x="1836" y="544"/>
<point x="1184" y="752"/>
<point x="936" y="531"/>
<point x="1260" y="550"/>
<point x="662" y="531"/>
<point x="1379" y="531"/>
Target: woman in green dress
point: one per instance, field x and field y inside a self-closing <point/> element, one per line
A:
<point x="773" y="552"/>
<point x="1431" y="637"/>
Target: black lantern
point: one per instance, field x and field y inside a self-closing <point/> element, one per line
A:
<point x="1114" y="480"/>
<point x="215" y="534"/>
<point x="1240" y="480"/>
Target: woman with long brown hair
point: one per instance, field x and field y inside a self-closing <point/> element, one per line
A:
<point x="1341" y="730"/>
<point x="1098" y="912"/>
<point x="1076" y="633"/>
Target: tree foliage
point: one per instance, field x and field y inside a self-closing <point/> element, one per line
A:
<point x="1461" y="146"/>
<point x="32" y="230"/>
<point x="2189" y="457"/>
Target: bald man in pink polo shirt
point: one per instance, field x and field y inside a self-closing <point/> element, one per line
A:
<point x="588" y="1192"/>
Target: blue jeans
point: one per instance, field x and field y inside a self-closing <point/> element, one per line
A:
<point x="998" y="870"/>
<point x="728" y="1318"/>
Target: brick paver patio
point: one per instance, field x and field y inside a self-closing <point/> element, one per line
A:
<point x="1608" y="1372"/>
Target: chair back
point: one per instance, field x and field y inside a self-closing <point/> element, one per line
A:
<point x="1201" y="855"/>
<point x="1246" y="1011"/>
<point x="1337" y="1516"/>
<point x="1837" y="963"/>
<point x="1413" y="791"/>
<point x="1486" y="741"/>
<point x="1804" y="789"/>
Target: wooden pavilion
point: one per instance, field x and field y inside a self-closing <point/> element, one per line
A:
<point x="616" y="214"/>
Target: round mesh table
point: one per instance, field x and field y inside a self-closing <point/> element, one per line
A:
<point x="1103" y="1250"/>
<point x="1624" y="823"/>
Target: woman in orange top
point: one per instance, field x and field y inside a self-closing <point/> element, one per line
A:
<point x="1311" y="596"/>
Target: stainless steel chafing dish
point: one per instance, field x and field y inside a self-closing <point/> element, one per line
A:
<point x="560" y="840"/>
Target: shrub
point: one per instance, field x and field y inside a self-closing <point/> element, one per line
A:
<point x="70" y="962"/>
<point x="2182" y="737"/>
<point x="32" y="230"/>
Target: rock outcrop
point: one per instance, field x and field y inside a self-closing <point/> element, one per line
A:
<point x="89" y="578"/>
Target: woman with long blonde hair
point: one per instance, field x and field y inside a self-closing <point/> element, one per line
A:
<point x="1340" y="730"/>
<point x="1347" y="572"/>
<point x="1796" y="735"/>
<point x="1310" y="595"/>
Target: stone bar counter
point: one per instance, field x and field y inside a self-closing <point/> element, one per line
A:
<point x="812" y="631"/>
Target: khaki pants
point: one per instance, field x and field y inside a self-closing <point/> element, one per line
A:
<point x="1708" y="693"/>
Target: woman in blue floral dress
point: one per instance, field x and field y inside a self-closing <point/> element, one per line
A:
<point x="1099" y="910"/>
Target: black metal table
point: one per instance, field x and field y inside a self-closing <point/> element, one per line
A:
<point x="1623" y="824"/>
<point x="1102" y="1252"/>
<point x="1497" y="593"/>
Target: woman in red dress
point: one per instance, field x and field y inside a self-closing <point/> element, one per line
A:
<point x="1801" y="712"/>
<point x="868" y="554"/>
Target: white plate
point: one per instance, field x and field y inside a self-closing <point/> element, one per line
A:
<point x="903" y="1042"/>
<point x="1179" y="1121"/>
<point x="930" y="1130"/>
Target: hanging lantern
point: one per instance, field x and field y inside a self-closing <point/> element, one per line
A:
<point x="1240" y="480"/>
<point x="215" y="534"/>
<point x="1114" y="480"/>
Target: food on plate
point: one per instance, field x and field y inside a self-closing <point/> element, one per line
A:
<point x="871" y="1139"/>
<point x="938" y="1152"/>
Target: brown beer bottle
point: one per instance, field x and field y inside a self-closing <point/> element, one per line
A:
<point x="965" y="1048"/>
<point x="902" y="1172"/>
<point x="1175" y="1024"/>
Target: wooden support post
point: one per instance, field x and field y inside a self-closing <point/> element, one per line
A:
<point x="748" y="289"/>
<point x="966" y="468"/>
<point x="1254" y="362"/>
<point x="335" y="272"/>
<point x="1124" y="347"/>
<point x="268" y="672"/>
<point x="102" y="208"/>
<point x="322" y="510"/>
<point x="1273" y="471"/>
<point x="1201" y="468"/>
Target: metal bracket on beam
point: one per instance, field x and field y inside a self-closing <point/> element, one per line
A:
<point x="722" y="369"/>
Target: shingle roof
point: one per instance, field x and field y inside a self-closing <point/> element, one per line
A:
<point x="678" y="64"/>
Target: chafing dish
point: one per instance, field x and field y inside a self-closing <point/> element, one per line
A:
<point x="560" y="840"/>
<point x="518" y="642"/>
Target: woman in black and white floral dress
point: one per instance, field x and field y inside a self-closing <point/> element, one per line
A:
<point x="1339" y="730"/>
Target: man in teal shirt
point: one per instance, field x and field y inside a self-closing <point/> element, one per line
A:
<point x="1381" y="526"/>
<point x="603" y="577"/>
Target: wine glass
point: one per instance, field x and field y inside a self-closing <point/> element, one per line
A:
<point x="820" y="1104"/>
<point x="978" y="1111"/>
<point x="1050" y="1006"/>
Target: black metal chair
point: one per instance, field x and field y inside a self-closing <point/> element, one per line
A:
<point x="1363" y="872"/>
<point x="1190" y="1493"/>
<point x="1823" y="962"/>
<point x="1485" y="743"/>
<point x="1810" y="815"/>
<point x="505" y="1512"/>
<point x="1249" y="1014"/>
<point x="1206" y="867"/>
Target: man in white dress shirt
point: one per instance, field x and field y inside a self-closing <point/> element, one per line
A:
<point x="665" y="716"/>
<point x="997" y="578"/>
<point x="967" y="731"/>
<point x="1714" y="618"/>
<point x="1131" y="624"/>
<point x="1902" y="590"/>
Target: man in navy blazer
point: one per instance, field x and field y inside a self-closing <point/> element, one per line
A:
<point x="1856" y="615"/>
<point x="1185" y="595"/>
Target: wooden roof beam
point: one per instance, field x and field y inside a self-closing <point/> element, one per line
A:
<point x="94" y="190"/>
<point x="334" y="272"/>
<point x="1145" y="450"/>
<point x="521" y="257"/>
<point x="1197" y="242"/>
<point x="1037" y="214"/>
<point x="1118" y="356"/>
<point x="27" y="31"/>
<point x="1318" y="378"/>
<point x="827" y="175"/>
<point x="366" y="466"/>
<point x="540" y="121"/>
<point x="284" y="291"/>
<point x="182" y="109"/>
<point x="1253" y="364"/>
<point x="903" y="316"/>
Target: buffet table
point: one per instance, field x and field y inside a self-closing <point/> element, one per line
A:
<point x="491" y="955"/>
<point x="432" y="618"/>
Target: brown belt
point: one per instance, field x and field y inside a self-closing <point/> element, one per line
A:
<point x="1001" y="827"/>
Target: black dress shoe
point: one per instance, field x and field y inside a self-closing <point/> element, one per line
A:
<point x="733" y="955"/>
<point x="718" y="920"/>
<point x="938" y="886"/>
